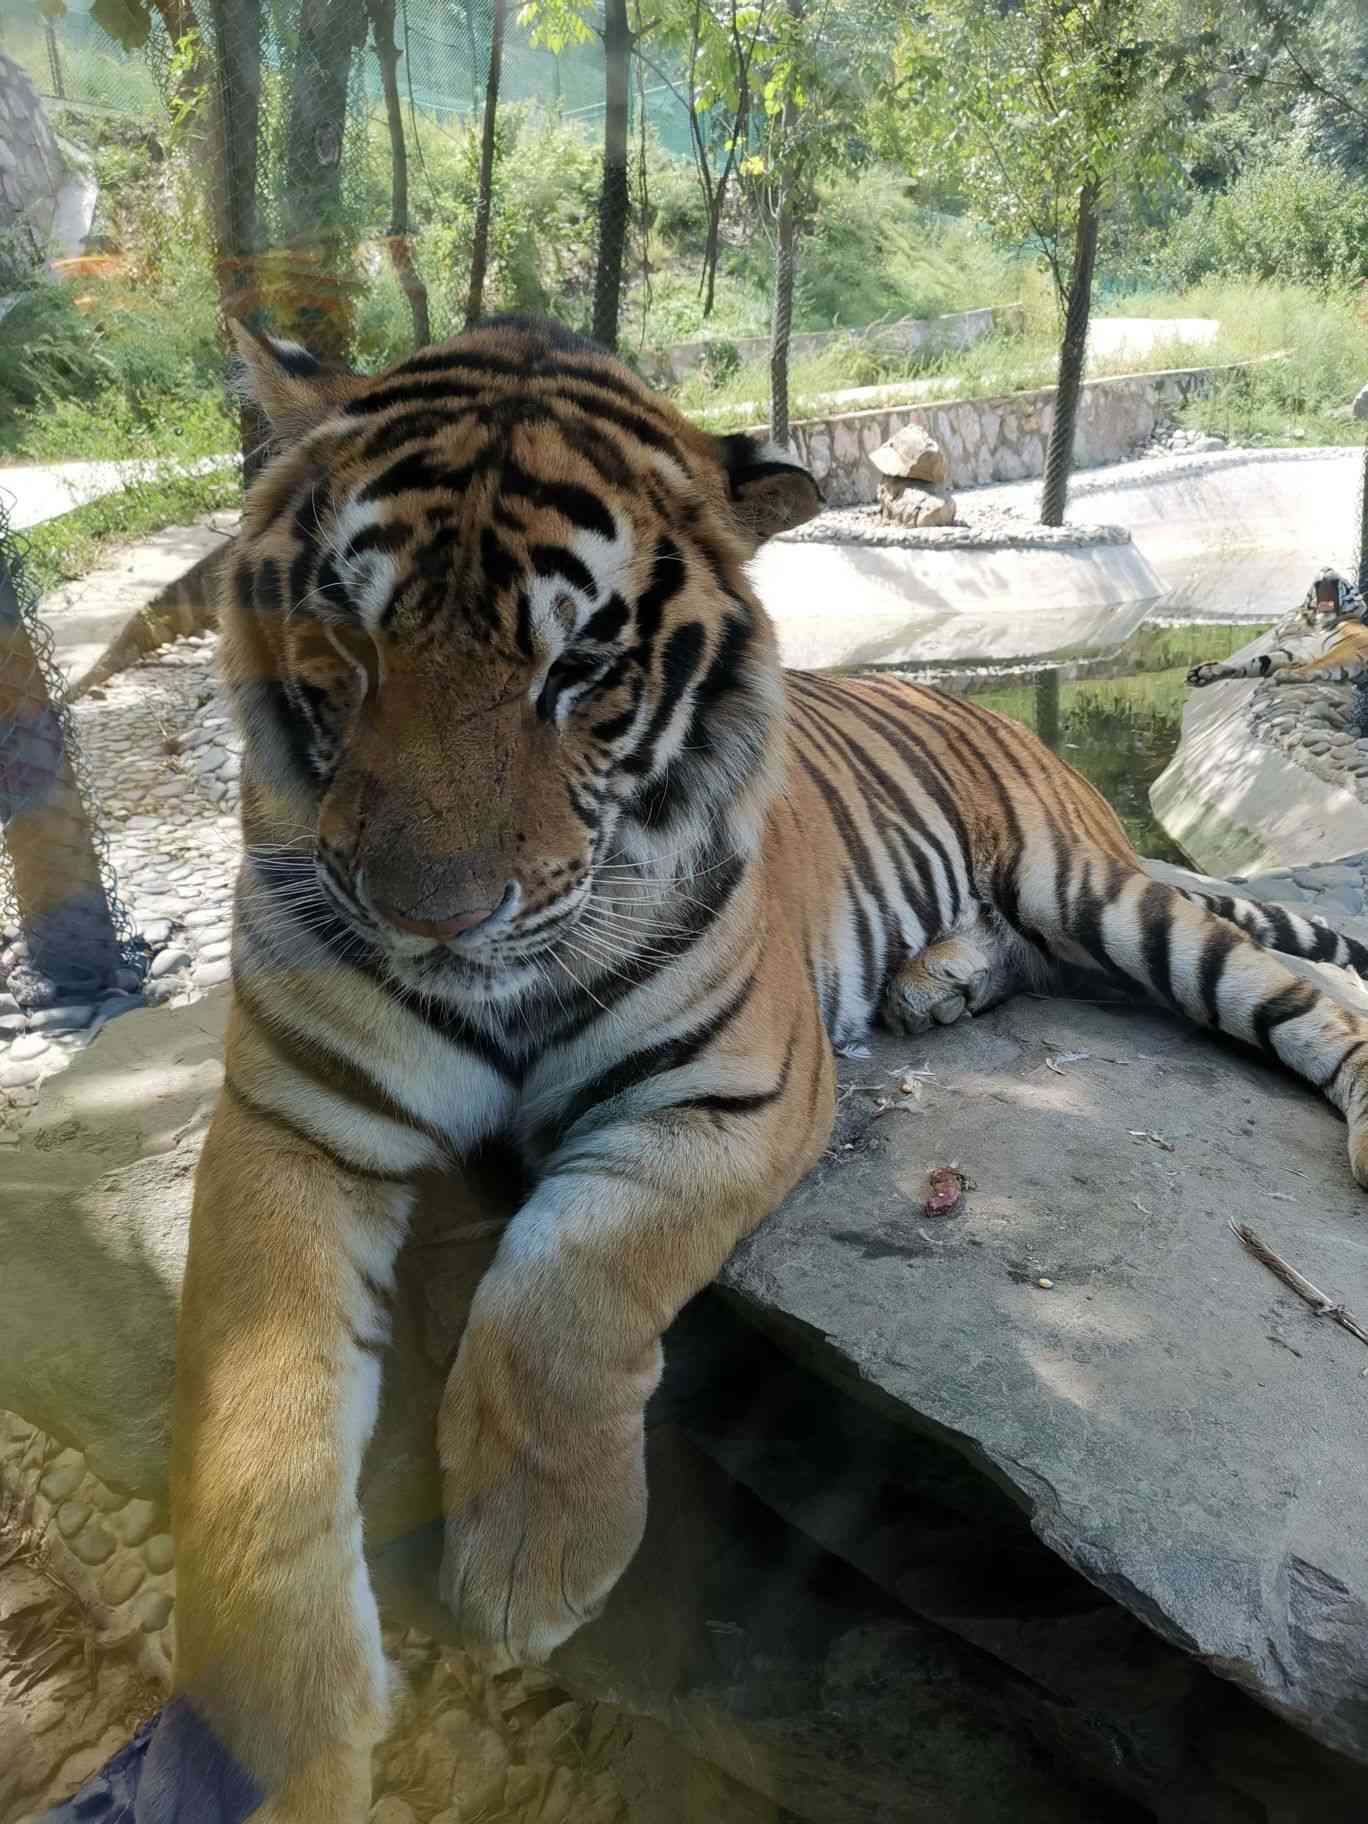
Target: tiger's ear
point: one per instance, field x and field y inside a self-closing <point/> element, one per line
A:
<point x="770" y="490"/>
<point x="294" y="389"/>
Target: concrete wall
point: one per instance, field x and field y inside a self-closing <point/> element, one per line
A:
<point x="958" y="330"/>
<point x="1000" y="439"/>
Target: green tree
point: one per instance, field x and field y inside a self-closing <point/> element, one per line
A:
<point x="1045" y="114"/>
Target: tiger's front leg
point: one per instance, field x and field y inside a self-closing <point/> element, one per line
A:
<point x="282" y="1326"/>
<point x="541" y="1432"/>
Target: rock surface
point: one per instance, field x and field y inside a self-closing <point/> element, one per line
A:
<point x="912" y="454"/>
<point x="910" y="503"/>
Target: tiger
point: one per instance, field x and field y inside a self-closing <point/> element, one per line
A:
<point x="541" y="842"/>
<point x="1335" y="612"/>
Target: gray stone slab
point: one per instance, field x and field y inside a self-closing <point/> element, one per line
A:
<point x="1180" y="1427"/>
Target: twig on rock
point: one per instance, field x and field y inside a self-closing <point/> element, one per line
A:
<point x="1288" y="1274"/>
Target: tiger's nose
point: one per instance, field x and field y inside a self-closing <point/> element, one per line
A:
<point x="458" y="924"/>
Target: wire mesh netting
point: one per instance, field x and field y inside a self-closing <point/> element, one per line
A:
<point x="66" y="936"/>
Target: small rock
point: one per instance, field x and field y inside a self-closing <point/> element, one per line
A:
<point x="12" y="1024"/>
<point x="153" y="1610"/>
<point x="209" y="975"/>
<point x="31" y="1045"/>
<point x="93" y="1544"/>
<point x="167" y="960"/>
<point x="122" y="1579"/>
<point x="134" y="1522"/>
<point x="204" y="917"/>
<point x="72" y="1017"/>
<point x="210" y="759"/>
<point x="71" y="1517"/>
<point x="909" y="503"/>
<point x="22" y="1074"/>
<point x="159" y="1552"/>
<point x="912" y="454"/>
<point x="30" y="988"/>
<point x="156" y="931"/>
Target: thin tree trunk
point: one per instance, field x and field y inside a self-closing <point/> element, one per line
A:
<point x="1047" y="707"/>
<point x="64" y="916"/>
<point x="612" y="225"/>
<point x="484" y="202"/>
<point x="401" y="253"/>
<point x="320" y="286"/>
<point x="781" y="327"/>
<point x="235" y="122"/>
<point x="1059" y="458"/>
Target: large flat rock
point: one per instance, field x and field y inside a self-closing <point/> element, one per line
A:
<point x="1179" y="1426"/>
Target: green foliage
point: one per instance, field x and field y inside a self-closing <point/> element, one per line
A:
<point x="1287" y="215"/>
<point x="1028" y="105"/>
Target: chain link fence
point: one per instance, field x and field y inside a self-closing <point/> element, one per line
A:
<point x="66" y="936"/>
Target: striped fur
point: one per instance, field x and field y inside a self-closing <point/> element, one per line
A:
<point x="541" y="843"/>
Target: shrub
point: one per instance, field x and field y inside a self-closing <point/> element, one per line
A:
<point x="1288" y="215"/>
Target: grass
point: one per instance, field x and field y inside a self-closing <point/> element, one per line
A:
<point x="1303" y="398"/>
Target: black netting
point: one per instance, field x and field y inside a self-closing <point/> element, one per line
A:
<point x="66" y="935"/>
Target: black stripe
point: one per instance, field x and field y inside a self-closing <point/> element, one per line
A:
<point x="1156" y="934"/>
<point x="555" y="560"/>
<point x="678" y="663"/>
<point x="1346" y="1056"/>
<point x="607" y="622"/>
<point x="567" y="498"/>
<point x="653" y="1060"/>
<point x="667" y="579"/>
<point x="751" y="1104"/>
<point x="416" y="392"/>
<point x="274" y="1118"/>
<point x="1289" y="1003"/>
<point x="389" y="536"/>
<point x="1216" y="948"/>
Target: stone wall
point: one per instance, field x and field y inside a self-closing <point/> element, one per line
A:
<point x="999" y="439"/>
<point x="959" y="329"/>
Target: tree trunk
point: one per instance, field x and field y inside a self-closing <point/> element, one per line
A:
<point x="401" y="254"/>
<point x="781" y="327"/>
<point x="64" y="916"/>
<point x="612" y="226"/>
<point x="319" y="283"/>
<point x="1059" y="459"/>
<point x="235" y="100"/>
<point x="484" y="202"/>
<point x="1047" y="707"/>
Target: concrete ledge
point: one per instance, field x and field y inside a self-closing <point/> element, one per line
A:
<point x="1235" y="536"/>
<point x="152" y="593"/>
<point x="840" y="604"/>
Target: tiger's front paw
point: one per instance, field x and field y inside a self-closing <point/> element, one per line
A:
<point x="538" y="1527"/>
<point x="1208" y="672"/>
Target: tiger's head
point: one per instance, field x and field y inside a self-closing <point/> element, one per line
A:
<point x="490" y="641"/>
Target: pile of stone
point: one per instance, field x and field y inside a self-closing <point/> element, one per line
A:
<point x="1171" y="439"/>
<point x="915" y="472"/>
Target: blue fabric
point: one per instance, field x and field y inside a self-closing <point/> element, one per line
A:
<point x="174" y="1771"/>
